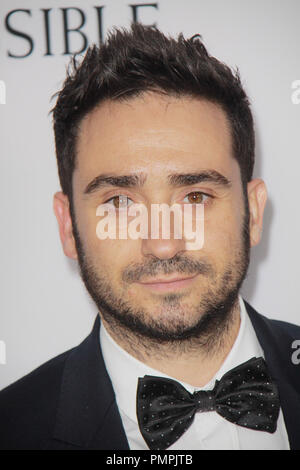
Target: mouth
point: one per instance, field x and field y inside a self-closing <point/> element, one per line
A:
<point x="168" y="284"/>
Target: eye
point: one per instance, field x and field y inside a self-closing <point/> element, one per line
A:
<point x="196" y="197"/>
<point x="120" y="201"/>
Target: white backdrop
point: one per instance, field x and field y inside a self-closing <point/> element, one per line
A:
<point x="44" y="306"/>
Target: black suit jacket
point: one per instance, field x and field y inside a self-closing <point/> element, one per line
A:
<point x="69" y="403"/>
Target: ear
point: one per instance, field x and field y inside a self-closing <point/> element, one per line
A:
<point x="61" y="208"/>
<point x="257" y="197"/>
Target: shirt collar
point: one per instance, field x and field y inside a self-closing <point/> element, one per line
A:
<point x="124" y="369"/>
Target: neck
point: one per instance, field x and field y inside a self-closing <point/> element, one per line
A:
<point x="193" y="361"/>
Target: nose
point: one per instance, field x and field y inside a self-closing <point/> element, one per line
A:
<point x="165" y="239"/>
<point x="162" y="248"/>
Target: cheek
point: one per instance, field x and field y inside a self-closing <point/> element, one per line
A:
<point x="222" y="231"/>
<point x="109" y="256"/>
<point x="87" y="224"/>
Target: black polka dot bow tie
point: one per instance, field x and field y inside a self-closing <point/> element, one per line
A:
<point x="245" y="396"/>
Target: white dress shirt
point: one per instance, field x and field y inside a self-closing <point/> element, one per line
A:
<point x="208" y="430"/>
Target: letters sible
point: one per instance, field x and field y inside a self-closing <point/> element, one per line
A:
<point x="46" y="16"/>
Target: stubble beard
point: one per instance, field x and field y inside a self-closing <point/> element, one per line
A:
<point x="214" y="314"/>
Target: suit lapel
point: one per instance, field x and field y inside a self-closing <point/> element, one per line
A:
<point x="88" y="415"/>
<point x="276" y="339"/>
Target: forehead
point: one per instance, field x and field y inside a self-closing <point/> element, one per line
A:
<point x="154" y="134"/>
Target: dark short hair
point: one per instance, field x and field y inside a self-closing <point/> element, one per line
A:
<point x="142" y="59"/>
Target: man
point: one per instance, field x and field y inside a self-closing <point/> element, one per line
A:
<point x="176" y="359"/>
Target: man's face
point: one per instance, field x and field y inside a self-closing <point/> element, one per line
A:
<point x="156" y="138"/>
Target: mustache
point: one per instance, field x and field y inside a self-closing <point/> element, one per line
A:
<point x="177" y="264"/>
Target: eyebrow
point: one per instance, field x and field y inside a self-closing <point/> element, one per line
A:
<point x="124" y="181"/>
<point x="175" y="180"/>
<point x="210" y="176"/>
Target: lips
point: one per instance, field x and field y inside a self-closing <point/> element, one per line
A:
<point x="168" y="283"/>
<point x="167" y="280"/>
